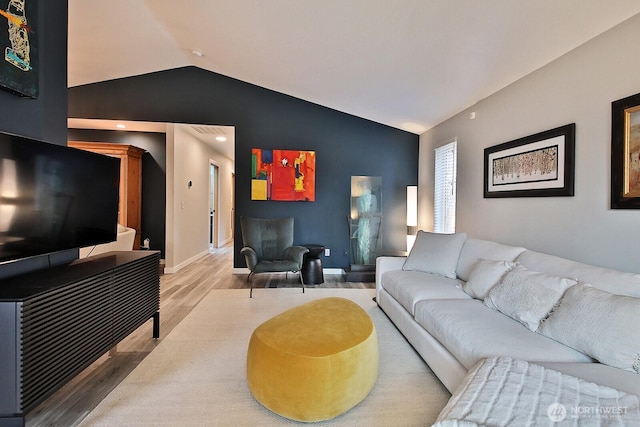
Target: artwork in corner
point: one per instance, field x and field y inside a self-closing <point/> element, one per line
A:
<point x="534" y="166"/>
<point x="284" y="175"/>
<point x="18" y="70"/>
<point x="365" y="219"/>
<point x="625" y="153"/>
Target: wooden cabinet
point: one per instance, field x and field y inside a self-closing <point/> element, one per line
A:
<point x="130" y="208"/>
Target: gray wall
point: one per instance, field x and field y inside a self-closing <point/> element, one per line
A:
<point x="577" y="88"/>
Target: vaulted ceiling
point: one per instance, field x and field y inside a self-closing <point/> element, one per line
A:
<point x="409" y="64"/>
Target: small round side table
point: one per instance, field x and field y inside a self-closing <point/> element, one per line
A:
<point x="312" y="265"/>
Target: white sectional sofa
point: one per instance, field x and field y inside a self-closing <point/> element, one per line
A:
<point x="450" y="295"/>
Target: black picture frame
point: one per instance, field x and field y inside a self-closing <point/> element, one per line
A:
<point x="625" y="153"/>
<point x="19" y="67"/>
<point x="539" y="165"/>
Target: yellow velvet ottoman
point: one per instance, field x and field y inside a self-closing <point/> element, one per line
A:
<point x="315" y="361"/>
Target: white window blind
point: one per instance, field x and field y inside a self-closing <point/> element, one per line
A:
<point x="444" y="203"/>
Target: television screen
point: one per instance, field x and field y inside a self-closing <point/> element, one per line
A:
<point x="54" y="198"/>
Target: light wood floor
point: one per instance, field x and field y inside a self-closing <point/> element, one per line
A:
<point x="179" y="294"/>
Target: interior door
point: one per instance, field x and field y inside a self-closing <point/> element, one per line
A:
<point x="213" y="205"/>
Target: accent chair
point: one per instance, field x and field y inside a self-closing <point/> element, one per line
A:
<point x="268" y="247"/>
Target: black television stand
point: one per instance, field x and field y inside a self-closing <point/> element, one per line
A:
<point x="56" y="322"/>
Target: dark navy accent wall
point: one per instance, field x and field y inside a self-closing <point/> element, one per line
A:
<point x="154" y="176"/>
<point x="345" y="145"/>
<point x="44" y="118"/>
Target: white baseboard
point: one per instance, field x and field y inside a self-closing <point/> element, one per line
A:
<point x="224" y="243"/>
<point x="235" y="271"/>
<point x="239" y="271"/>
<point x="183" y="264"/>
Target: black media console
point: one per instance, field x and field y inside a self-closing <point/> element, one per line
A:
<point x="56" y="322"/>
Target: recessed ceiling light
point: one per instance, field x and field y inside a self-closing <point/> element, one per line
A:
<point x="221" y="138"/>
<point x="121" y="126"/>
<point x="197" y="52"/>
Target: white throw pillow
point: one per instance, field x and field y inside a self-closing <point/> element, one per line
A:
<point x="435" y="253"/>
<point x="484" y="275"/>
<point x="527" y="296"/>
<point x="600" y="324"/>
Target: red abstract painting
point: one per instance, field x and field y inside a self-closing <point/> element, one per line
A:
<point x="285" y="175"/>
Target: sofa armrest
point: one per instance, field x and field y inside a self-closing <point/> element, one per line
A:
<point x="387" y="263"/>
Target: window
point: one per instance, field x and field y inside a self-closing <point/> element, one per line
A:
<point x="444" y="200"/>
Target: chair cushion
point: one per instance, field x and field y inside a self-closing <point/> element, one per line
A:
<point x="265" y="266"/>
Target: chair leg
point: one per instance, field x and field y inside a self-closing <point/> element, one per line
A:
<point x="301" y="281"/>
<point x="250" y="280"/>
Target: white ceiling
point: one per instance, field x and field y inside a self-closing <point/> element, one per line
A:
<point x="410" y="64"/>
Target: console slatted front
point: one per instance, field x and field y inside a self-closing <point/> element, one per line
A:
<point x="66" y="318"/>
<point x="136" y="296"/>
<point x="63" y="332"/>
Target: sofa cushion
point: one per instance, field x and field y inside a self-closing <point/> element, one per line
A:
<point x="435" y="253"/>
<point x="485" y="275"/>
<point x="471" y="331"/>
<point x="409" y="287"/>
<point x="476" y="249"/>
<point x="617" y="282"/>
<point x="527" y="296"/>
<point x="598" y="323"/>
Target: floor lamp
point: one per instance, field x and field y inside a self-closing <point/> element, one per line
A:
<point x="412" y="215"/>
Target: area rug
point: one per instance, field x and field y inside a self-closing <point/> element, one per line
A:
<point x="196" y="375"/>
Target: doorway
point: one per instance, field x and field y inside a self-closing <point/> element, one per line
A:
<point x="233" y="203"/>
<point x="213" y="205"/>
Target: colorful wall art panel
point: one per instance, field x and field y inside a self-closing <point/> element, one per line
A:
<point x="18" y="69"/>
<point x="285" y="175"/>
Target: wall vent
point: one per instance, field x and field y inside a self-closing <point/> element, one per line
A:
<point x="210" y="130"/>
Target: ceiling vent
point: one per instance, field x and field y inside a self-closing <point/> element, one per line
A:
<point x="210" y="130"/>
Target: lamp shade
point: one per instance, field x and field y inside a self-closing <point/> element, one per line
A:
<point x="412" y="205"/>
<point x="412" y="215"/>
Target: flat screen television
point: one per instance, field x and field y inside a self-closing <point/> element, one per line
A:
<point x="54" y="198"/>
